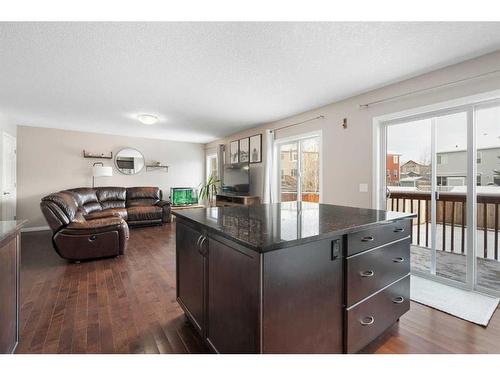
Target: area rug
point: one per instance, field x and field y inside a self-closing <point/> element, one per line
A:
<point x="474" y="307"/>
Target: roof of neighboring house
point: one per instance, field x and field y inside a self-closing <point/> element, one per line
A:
<point x="410" y="174"/>
<point x="414" y="162"/>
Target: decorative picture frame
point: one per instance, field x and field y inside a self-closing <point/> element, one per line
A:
<point x="244" y="150"/>
<point x="255" y="148"/>
<point x="234" y="156"/>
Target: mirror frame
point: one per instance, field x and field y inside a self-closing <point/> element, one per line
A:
<point x="129" y="174"/>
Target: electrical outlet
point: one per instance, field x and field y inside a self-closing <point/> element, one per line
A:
<point x="363" y="188"/>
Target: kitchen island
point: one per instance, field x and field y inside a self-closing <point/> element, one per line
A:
<point x="292" y="277"/>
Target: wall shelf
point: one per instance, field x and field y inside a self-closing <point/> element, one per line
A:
<point x="89" y="155"/>
<point x="157" y="167"/>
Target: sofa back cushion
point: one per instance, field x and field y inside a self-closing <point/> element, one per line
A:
<point x="143" y="196"/>
<point x="111" y="197"/>
<point x="86" y="199"/>
<point x="59" y="209"/>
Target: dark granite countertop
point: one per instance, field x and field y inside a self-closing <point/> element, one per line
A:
<point x="10" y="227"/>
<point x="266" y="227"/>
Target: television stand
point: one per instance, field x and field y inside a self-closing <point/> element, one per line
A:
<point x="224" y="200"/>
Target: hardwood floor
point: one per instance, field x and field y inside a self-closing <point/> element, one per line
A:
<point x="117" y="305"/>
<point x="127" y="305"/>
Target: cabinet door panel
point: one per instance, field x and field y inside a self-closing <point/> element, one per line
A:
<point x="303" y="299"/>
<point x="8" y="297"/>
<point x="233" y="286"/>
<point x="190" y="274"/>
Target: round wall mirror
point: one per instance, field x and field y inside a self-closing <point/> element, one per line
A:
<point x="129" y="161"/>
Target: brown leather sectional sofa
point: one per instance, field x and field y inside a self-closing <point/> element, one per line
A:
<point x="90" y="223"/>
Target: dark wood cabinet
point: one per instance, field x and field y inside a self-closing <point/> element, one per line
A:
<point x="323" y="296"/>
<point x="377" y="282"/>
<point x="370" y="318"/>
<point x="303" y="299"/>
<point x="9" y="293"/>
<point x="233" y="298"/>
<point x="191" y="270"/>
<point x="372" y="270"/>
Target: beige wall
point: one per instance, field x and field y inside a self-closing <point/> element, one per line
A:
<point x="50" y="160"/>
<point x="347" y="153"/>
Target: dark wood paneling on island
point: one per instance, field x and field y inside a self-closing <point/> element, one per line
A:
<point x="9" y="285"/>
<point x="292" y="278"/>
<point x="302" y="298"/>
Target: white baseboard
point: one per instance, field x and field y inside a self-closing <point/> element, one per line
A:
<point x="35" y="229"/>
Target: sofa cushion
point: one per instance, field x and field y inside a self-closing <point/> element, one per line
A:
<point x="144" y="213"/>
<point x="86" y="199"/>
<point x="143" y="196"/>
<point x="109" y="212"/>
<point x="111" y="197"/>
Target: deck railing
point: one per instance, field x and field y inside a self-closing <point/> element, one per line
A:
<point x="451" y="213"/>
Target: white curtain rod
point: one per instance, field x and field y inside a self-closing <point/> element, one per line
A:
<point x="392" y="98"/>
<point x="297" y="123"/>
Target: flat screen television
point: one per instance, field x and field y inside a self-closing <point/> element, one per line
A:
<point x="236" y="178"/>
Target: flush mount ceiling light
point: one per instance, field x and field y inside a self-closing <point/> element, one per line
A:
<point x="147" y="119"/>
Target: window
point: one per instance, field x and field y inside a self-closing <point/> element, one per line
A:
<point x="395" y="172"/>
<point x="442" y="159"/>
<point x="282" y="156"/>
<point x="442" y="181"/>
<point x="395" y="159"/>
<point x="212" y="166"/>
<point x="459" y="147"/>
<point x="300" y="171"/>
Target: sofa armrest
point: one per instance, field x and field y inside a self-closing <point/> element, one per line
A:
<point x="95" y="226"/>
<point x="88" y="239"/>
<point x="163" y="203"/>
<point x="166" y="216"/>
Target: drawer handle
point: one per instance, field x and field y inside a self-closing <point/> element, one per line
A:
<point x="93" y="238"/>
<point x="367" y="273"/>
<point x="202" y="252"/>
<point x="398" y="300"/>
<point x="367" y="321"/>
<point x="367" y="239"/>
<point x="398" y="260"/>
<point x="399" y="230"/>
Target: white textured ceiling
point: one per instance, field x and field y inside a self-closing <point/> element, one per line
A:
<point x="208" y="80"/>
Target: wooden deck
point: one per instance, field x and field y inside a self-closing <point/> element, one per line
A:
<point x="127" y="305"/>
<point x="452" y="266"/>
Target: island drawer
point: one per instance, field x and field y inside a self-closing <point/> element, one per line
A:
<point x="374" y="269"/>
<point x="377" y="236"/>
<point x="368" y="319"/>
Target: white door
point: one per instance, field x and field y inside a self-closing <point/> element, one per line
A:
<point x="8" y="177"/>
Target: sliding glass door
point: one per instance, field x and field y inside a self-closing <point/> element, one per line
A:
<point x="450" y="196"/>
<point x="299" y="169"/>
<point x="444" y="166"/>
<point x="408" y="173"/>
<point x="487" y="161"/>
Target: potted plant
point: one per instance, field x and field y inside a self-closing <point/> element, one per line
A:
<point x="209" y="188"/>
